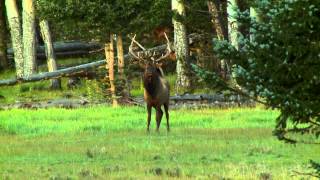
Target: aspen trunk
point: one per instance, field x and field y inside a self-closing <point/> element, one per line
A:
<point x="4" y="63"/>
<point x="120" y="54"/>
<point x="51" y="58"/>
<point x="109" y="51"/>
<point x="232" y="23"/>
<point x="29" y="38"/>
<point x="254" y="15"/>
<point x="182" y="47"/>
<point x="16" y="37"/>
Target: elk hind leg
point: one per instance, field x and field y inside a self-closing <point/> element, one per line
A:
<point x="158" y="116"/>
<point x="166" y="109"/>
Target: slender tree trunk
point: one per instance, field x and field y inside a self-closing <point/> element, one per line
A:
<point x="109" y="51"/>
<point x="29" y="37"/>
<point x="51" y="58"/>
<point x="219" y="28"/>
<point x="182" y="47"/>
<point x="4" y="63"/>
<point x="254" y="15"/>
<point x="120" y="54"/>
<point x="16" y="37"/>
<point x="216" y="20"/>
<point x="232" y="23"/>
<point x="244" y="28"/>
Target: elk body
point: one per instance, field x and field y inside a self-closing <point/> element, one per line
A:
<point x="156" y="87"/>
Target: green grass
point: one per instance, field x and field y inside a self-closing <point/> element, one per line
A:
<point x="104" y="142"/>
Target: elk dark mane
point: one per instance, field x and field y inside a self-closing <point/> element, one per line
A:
<point x="152" y="86"/>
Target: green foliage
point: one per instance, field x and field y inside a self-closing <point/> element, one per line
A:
<point x="96" y="91"/>
<point x="279" y="62"/>
<point x="93" y="20"/>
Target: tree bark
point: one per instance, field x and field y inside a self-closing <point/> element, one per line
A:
<point x="109" y="51"/>
<point x="216" y="19"/>
<point x="16" y="37"/>
<point x="232" y="23"/>
<point x="51" y="58"/>
<point x="254" y="15"/>
<point x="182" y="47"/>
<point x="121" y="64"/>
<point x="219" y="28"/>
<point x="4" y="63"/>
<point x="29" y="37"/>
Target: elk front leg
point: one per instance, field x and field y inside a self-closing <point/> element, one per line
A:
<point x="159" y="117"/>
<point x="149" y="117"/>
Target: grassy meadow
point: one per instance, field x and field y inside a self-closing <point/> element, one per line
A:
<point x="103" y="142"/>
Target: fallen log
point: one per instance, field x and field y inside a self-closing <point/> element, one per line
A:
<point x="67" y="47"/>
<point x="65" y="72"/>
<point x="69" y="71"/>
<point x="42" y="55"/>
<point x="55" y="74"/>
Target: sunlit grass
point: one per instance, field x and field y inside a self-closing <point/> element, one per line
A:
<point x="104" y="119"/>
<point x="104" y="142"/>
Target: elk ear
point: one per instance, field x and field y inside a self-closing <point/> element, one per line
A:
<point x="143" y="66"/>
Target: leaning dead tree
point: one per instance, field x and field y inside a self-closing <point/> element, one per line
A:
<point x="67" y="72"/>
<point x="51" y="58"/>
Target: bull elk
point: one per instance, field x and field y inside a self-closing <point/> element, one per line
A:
<point x="156" y="87"/>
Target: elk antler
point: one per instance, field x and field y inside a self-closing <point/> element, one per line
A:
<point x="137" y="57"/>
<point x="168" y="50"/>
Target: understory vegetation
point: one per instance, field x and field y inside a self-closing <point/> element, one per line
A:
<point x="101" y="142"/>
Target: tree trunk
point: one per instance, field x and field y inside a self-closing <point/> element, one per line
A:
<point x="232" y="23"/>
<point x="123" y="79"/>
<point x="4" y="63"/>
<point x="109" y="51"/>
<point x="216" y="19"/>
<point x="29" y="37"/>
<point x="219" y="28"/>
<point x="223" y="14"/>
<point x="51" y="58"/>
<point x="182" y="47"/>
<point x="244" y="28"/>
<point x="254" y="15"/>
<point x="15" y="31"/>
